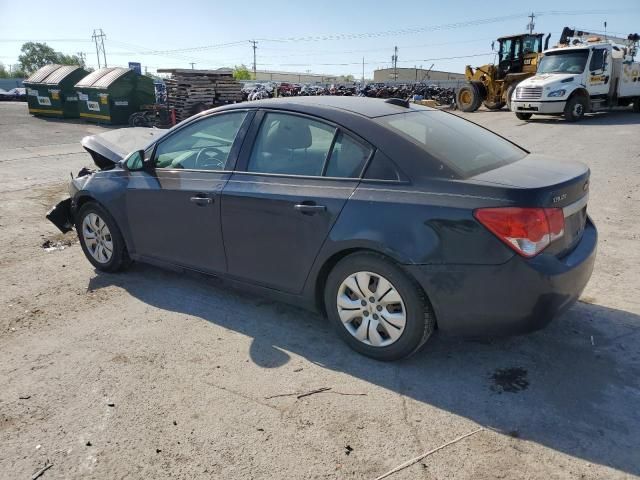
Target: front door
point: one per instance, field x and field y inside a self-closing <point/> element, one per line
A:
<point x="174" y="210"/>
<point x="292" y="183"/>
<point x="599" y="82"/>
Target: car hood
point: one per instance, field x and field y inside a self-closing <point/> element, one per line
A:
<point x="545" y="79"/>
<point x="107" y="149"/>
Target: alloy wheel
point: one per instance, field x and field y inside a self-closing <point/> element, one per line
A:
<point x="97" y="238"/>
<point x="371" y="309"/>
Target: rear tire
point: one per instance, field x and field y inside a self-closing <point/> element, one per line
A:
<point x="523" y="115"/>
<point x="576" y="108"/>
<point x="101" y="239"/>
<point x="409" y="302"/>
<point x="468" y="98"/>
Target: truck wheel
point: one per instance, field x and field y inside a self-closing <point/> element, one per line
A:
<point x="575" y="109"/>
<point x="494" y="105"/>
<point x="523" y="115"/>
<point x="468" y="98"/>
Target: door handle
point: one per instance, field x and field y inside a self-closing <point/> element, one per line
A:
<point x="201" y="200"/>
<point x="309" y="208"/>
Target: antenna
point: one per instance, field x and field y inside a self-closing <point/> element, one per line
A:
<point x="98" y="37"/>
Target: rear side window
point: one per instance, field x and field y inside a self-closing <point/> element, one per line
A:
<point x="465" y="147"/>
<point x="291" y="145"/>
<point x="295" y="145"/>
<point x="347" y="157"/>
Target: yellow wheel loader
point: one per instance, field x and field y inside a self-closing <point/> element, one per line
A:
<point x="492" y="85"/>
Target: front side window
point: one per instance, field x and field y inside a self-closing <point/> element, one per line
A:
<point x="291" y="145"/>
<point x="568" y="61"/>
<point x="459" y="144"/>
<point x="203" y="145"/>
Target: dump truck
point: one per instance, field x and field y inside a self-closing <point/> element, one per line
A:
<point x="493" y="84"/>
<point x="585" y="72"/>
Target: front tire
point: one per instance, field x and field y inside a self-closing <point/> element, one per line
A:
<point x="576" y="108"/>
<point x="100" y="238"/>
<point x="468" y="98"/>
<point x="377" y="308"/>
<point x="494" y="105"/>
<point x="523" y="115"/>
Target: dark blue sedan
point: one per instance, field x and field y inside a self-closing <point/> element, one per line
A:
<point x="391" y="218"/>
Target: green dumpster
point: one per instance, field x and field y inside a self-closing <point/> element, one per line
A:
<point x="51" y="91"/>
<point x="110" y="95"/>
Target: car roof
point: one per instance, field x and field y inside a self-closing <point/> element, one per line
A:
<point x="364" y="106"/>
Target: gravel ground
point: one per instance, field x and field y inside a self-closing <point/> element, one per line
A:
<point x="154" y="374"/>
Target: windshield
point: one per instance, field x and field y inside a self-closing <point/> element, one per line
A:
<point x="466" y="147"/>
<point x="570" y="61"/>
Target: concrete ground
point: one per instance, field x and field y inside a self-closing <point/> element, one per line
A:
<point x="153" y="374"/>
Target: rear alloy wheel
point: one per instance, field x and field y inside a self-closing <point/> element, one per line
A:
<point x="101" y="239"/>
<point x="576" y="108"/>
<point x="377" y="308"/>
<point x="523" y="115"/>
<point x="468" y="98"/>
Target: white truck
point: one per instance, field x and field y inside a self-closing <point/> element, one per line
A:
<point x="588" y="74"/>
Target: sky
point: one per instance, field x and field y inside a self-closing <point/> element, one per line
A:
<point x="298" y="36"/>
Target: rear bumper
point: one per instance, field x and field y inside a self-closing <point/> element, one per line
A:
<point x="548" y="107"/>
<point x="515" y="297"/>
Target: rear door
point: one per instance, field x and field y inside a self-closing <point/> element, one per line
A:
<point x="294" y="176"/>
<point x="174" y="210"/>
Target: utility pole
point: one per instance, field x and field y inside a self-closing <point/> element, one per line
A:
<point x="192" y="65"/>
<point x="98" y="37"/>
<point x="254" y="46"/>
<point x="362" y="70"/>
<point x="394" y="61"/>
<point x="531" y="25"/>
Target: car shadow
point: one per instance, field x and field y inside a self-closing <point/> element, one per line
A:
<point x="616" y="117"/>
<point x="573" y="387"/>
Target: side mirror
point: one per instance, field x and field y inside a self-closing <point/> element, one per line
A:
<point x="135" y="161"/>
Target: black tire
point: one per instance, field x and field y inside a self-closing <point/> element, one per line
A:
<point x="636" y="105"/>
<point x="120" y="257"/>
<point x="468" y="98"/>
<point x="494" y="105"/>
<point x="523" y="115"/>
<point x="576" y="108"/>
<point x="420" y="320"/>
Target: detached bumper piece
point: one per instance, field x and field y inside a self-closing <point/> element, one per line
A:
<point x="61" y="216"/>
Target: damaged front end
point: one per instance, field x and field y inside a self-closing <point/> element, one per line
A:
<point x="107" y="150"/>
<point x="62" y="214"/>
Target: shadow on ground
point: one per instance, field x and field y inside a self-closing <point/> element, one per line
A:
<point x="573" y="387"/>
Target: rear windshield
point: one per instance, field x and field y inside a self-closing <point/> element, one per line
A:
<point x="464" y="146"/>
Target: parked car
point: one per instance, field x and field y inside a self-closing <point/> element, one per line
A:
<point x="15" y="94"/>
<point x="390" y="218"/>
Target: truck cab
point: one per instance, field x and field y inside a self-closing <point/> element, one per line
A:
<point x="573" y="80"/>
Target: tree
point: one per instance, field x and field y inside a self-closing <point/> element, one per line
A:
<point x="241" y="72"/>
<point x="3" y="71"/>
<point x="36" y="55"/>
<point x="349" y="78"/>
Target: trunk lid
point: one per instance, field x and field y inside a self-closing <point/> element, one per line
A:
<point x="107" y="149"/>
<point x="540" y="181"/>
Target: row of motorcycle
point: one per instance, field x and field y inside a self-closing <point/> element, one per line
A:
<point x="442" y="95"/>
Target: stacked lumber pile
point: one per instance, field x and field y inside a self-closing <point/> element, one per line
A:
<point x="191" y="91"/>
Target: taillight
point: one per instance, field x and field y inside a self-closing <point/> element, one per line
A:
<point x="527" y="230"/>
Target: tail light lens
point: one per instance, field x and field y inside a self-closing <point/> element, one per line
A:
<point x="528" y="231"/>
